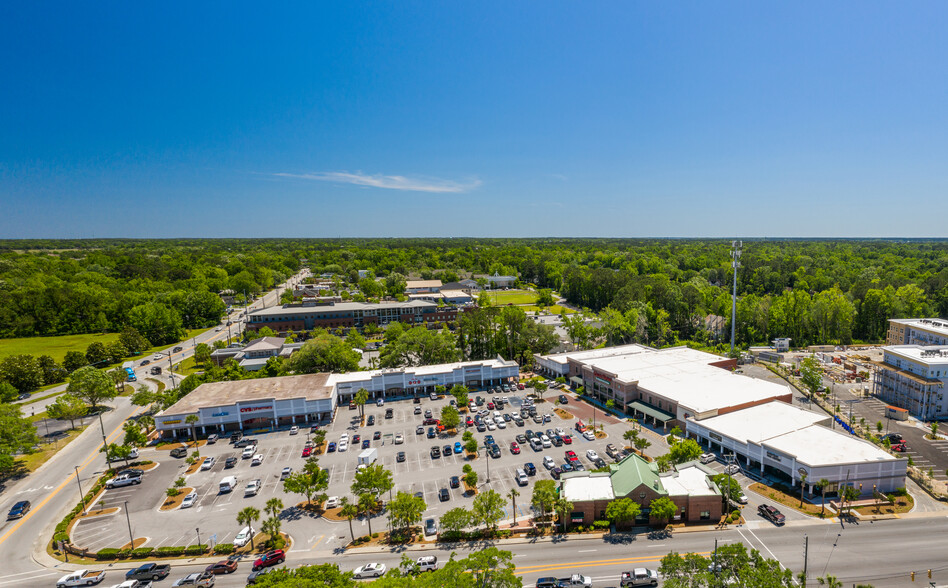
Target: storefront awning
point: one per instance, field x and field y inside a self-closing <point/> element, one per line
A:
<point x="656" y="413"/>
<point x="576" y="381"/>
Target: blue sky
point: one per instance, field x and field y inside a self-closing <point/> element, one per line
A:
<point x="473" y="119"/>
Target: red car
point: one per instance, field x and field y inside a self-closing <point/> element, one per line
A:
<point x="567" y="439"/>
<point x="270" y="558"/>
<point x="307" y="451"/>
<point x="469" y="422"/>
<point x="520" y="386"/>
<point x="514" y="448"/>
<point x="900" y="447"/>
<point x="222" y="567"/>
<point x="571" y="455"/>
<point x="490" y="406"/>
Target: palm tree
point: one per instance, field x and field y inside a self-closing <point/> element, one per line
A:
<point x="561" y="506"/>
<point x="191" y="419"/>
<point x="273" y="507"/>
<point x="361" y="397"/>
<point x="802" y="486"/>
<point x="350" y="511"/>
<point x="147" y="421"/>
<point x="512" y="495"/>
<point x="823" y="483"/>
<point x="366" y="504"/>
<point x="246" y="517"/>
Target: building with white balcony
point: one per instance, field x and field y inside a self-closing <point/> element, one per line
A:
<point x="914" y="377"/>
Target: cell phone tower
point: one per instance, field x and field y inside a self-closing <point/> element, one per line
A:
<point x="735" y="263"/>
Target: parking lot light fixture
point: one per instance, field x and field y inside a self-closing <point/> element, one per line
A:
<point x="131" y="539"/>
<point x="198" y="530"/>
<point x="82" y="499"/>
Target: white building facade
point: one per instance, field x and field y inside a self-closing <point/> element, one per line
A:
<point x="914" y="377"/>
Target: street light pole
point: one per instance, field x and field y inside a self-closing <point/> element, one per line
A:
<point x="82" y="499"/>
<point x="105" y="443"/>
<point x="131" y="539"/>
<point x="198" y="530"/>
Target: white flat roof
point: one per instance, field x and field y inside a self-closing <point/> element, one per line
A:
<point x="932" y="325"/>
<point x="686" y="377"/>
<point x="563" y="358"/>
<point x="690" y="481"/>
<point x="762" y="422"/>
<point x="588" y="487"/>
<point x="923" y="354"/>
<point x="440" y="368"/>
<point x="818" y="446"/>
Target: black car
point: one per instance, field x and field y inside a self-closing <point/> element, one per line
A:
<point x="179" y="452"/>
<point x="19" y="509"/>
<point x="388" y="413"/>
<point x="443" y="495"/>
<point x="557" y="440"/>
<point x="455" y="481"/>
<point x="522" y="439"/>
<point x="447" y="450"/>
<point x="377" y="435"/>
<point x="131" y="473"/>
<point x="493" y="451"/>
<point x="254" y="576"/>
<point x="230" y="462"/>
<point x="435" y="453"/>
<point x="555" y="472"/>
<point x="431" y="433"/>
<point x="530" y="469"/>
<point x="235" y="436"/>
<point x="177" y="350"/>
<point x="563" y="399"/>
<point x="371" y="420"/>
<point x="400" y="456"/>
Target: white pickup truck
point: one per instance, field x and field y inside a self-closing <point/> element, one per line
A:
<point x="80" y="578"/>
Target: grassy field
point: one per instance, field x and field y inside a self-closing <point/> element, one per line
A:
<point x="555" y="309"/>
<point x="32" y="461"/>
<point x="187" y="367"/>
<point x="57" y="347"/>
<point x="512" y="297"/>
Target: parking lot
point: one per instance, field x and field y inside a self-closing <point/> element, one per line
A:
<point x="215" y="513"/>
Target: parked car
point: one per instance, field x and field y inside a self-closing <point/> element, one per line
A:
<point x="189" y="500"/>
<point x="771" y="514"/>
<point x="443" y="495"/>
<point x="639" y="577"/>
<point x="208" y="463"/>
<point x="256" y="575"/>
<point x="212" y="438"/>
<point x="564" y="399"/>
<point x="253" y="486"/>
<point x="331" y="448"/>
<point x="257" y="459"/>
<point x="179" y="452"/>
<point x="243" y="537"/>
<point x="514" y="448"/>
<point x="294" y="430"/>
<point x="286" y="472"/>
<point x="455" y="482"/>
<point x="548" y="462"/>
<point x="332" y="502"/>
<point x="202" y="579"/>
<point x="707" y="457"/>
<point x="530" y="468"/>
<point x="307" y="451"/>
<point x="431" y="527"/>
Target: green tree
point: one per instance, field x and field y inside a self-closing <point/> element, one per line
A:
<point x="157" y="323"/>
<point x="683" y="451"/>
<point x="405" y="510"/>
<point x="134" y="436"/>
<point x="544" y="297"/>
<point x="309" y="481"/>
<point x="325" y="353"/>
<point x="202" y="354"/>
<point x="512" y="494"/>
<point x="74" y="360"/>
<point x="562" y="506"/>
<point x="192" y="420"/>
<point x="728" y="486"/>
<point x="544" y="495"/>
<point x="96" y="353"/>
<point x="622" y="511"/>
<point x="491" y="567"/>
<point x="470" y="446"/>
<point x="355" y="340"/>
<point x="663" y="509"/>
<point x="67" y="407"/>
<point x="470" y="476"/>
<point x="133" y="341"/>
<point x="246" y="517"/>
<point x="488" y="509"/>
<point x="350" y="511"/>
<point x="117" y="452"/>
<point x="367" y="504"/>
<point x="811" y="376"/>
<point x="539" y="388"/>
<point x="7" y="392"/>
<point x="24" y="372"/>
<point x="272" y="525"/>
<point x="460" y="394"/>
<point x="395" y="284"/>
<point x="361" y="397"/>
<point x="823" y="483"/>
<point x="454" y="521"/>
<point x="642" y="444"/>
<point x="53" y="373"/>
<point x="374" y="480"/>
<point x="91" y="385"/>
<point x="420" y="346"/>
<point x="17" y="435"/>
<point x="450" y="417"/>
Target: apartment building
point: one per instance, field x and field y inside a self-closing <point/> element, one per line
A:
<point x="914" y="377"/>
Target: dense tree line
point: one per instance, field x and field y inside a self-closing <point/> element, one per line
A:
<point x="812" y="291"/>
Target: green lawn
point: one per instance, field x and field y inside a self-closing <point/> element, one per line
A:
<point x="55" y="347"/>
<point x="512" y="297"/>
<point x="555" y="309"/>
<point x="187" y="367"/>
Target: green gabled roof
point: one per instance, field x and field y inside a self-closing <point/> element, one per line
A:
<point x="632" y="472"/>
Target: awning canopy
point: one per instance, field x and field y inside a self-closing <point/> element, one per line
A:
<point x="576" y="381"/>
<point x="656" y="413"/>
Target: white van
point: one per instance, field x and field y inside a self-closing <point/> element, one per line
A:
<point x="521" y="477"/>
<point x="228" y="484"/>
<point x="243" y="537"/>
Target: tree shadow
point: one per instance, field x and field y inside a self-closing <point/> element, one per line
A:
<point x="619" y="538"/>
<point x="659" y="534"/>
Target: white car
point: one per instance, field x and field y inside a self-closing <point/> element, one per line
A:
<point x="589" y="436"/>
<point x="343" y="445"/>
<point x="294" y="430"/>
<point x="371" y="570"/>
<point x="560" y="431"/>
<point x="253" y="486"/>
<point x="591" y="455"/>
<point x="332" y="502"/>
<point x="344" y="437"/>
<point x="248" y="451"/>
<point x="501" y="424"/>
<point x="732" y="469"/>
<point x="189" y="500"/>
<point x="286" y="472"/>
<point x="257" y="459"/>
<point x="243" y="537"/>
<point x="208" y="463"/>
<point x="545" y="441"/>
<point x="399" y="439"/>
<point x="157" y="357"/>
<point x="218" y="329"/>
<point x="548" y="462"/>
<point x="491" y="426"/>
<point x="742" y="498"/>
<point x="707" y="457"/>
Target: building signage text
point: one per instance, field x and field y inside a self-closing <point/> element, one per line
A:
<point x="716" y="437"/>
<point x="255" y="408"/>
<point x="220" y="414"/>
<point x="414" y="382"/>
<point x="174" y="422"/>
<point x="774" y="456"/>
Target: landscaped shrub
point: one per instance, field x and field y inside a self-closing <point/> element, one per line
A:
<point x="195" y="549"/>
<point x="106" y="554"/>
<point x="124" y="553"/>
<point x="142" y="551"/>
<point x="170" y="551"/>
<point x="736" y="513"/>
<point x="601" y="524"/>
<point x="61" y="537"/>
<point x="224" y="548"/>
<point x="375" y="535"/>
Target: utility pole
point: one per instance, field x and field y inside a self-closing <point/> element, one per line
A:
<point x="806" y="551"/>
<point x="82" y="499"/>
<point x="171" y="370"/>
<point x="735" y="256"/>
<point x="131" y="538"/>
<point x="105" y="444"/>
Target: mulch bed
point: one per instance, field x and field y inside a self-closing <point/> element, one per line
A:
<point x="172" y="503"/>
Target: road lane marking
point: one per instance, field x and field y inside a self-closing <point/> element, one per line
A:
<point x="601" y="562"/>
<point x="65" y="482"/>
<point x="586" y="550"/>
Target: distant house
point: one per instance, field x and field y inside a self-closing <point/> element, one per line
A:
<point x="228" y="297"/>
<point x="498" y="281"/>
<point x="466" y="286"/>
<point x="255" y="354"/>
<point x="422" y="286"/>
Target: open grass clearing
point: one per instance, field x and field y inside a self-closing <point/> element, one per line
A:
<point x="32" y="461"/>
<point x="555" y="309"/>
<point x="57" y="346"/>
<point x="503" y="297"/>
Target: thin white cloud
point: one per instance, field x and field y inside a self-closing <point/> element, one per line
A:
<point x="388" y="182"/>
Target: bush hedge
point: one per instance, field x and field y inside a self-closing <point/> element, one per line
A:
<point x="195" y="549"/>
<point x="143" y="551"/>
<point x="170" y="551"/>
<point x="601" y="524"/>
<point x="108" y="553"/>
<point x="224" y="549"/>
